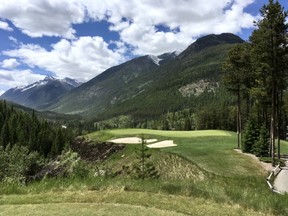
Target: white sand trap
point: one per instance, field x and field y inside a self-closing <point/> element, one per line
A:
<point x="131" y="140"/>
<point x="162" y="144"/>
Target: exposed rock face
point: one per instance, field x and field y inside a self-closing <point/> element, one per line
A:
<point x="197" y="88"/>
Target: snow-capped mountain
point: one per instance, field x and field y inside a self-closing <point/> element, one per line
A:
<point x="40" y="93"/>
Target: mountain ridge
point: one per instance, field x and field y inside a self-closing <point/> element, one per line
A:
<point x="129" y="83"/>
<point x="109" y="85"/>
<point x="156" y="80"/>
<point x="41" y="92"/>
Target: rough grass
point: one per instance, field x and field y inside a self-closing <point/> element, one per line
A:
<point x="115" y="203"/>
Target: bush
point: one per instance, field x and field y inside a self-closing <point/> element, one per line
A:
<point x="16" y="163"/>
<point x="79" y="170"/>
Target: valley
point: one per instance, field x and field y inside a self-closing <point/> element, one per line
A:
<point x="172" y="113"/>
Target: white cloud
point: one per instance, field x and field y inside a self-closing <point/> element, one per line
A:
<point x="136" y="21"/>
<point x="186" y="20"/>
<point x="10" y="63"/>
<point x="81" y="59"/>
<point x="37" y="18"/>
<point x="5" y="26"/>
<point x="13" y="78"/>
<point x="192" y="17"/>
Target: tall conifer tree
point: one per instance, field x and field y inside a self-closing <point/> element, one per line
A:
<point x="269" y="48"/>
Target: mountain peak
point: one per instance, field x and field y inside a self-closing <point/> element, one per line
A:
<point x="49" y="77"/>
<point x="211" y="40"/>
<point x="40" y="93"/>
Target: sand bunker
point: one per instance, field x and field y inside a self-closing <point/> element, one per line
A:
<point x="137" y="140"/>
<point x="162" y="144"/>
<point x="131" y="140"/>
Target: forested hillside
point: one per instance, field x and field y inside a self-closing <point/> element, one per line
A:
<point x="23" y="129"/>
<point x="192" y="82"/>
<point x="146" y="89"/>
<point x="27" y="142"/>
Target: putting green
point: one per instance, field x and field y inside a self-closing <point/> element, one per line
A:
<point x="176" y="134"/>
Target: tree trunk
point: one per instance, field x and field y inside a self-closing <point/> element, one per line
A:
<point x="272" y="131"/>
<point x="238" y="118"/>
<point x="279" y="117"/>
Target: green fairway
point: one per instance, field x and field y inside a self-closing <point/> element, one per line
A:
<point x="212" y="150"/>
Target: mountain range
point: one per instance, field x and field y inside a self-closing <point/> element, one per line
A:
<point x="40" y="93"/>
<point x="143" y="87"/>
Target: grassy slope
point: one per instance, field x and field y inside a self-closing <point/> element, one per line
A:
<point x="230" y="183"/>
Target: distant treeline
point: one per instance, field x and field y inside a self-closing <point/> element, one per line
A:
<point x="23" y="129"/>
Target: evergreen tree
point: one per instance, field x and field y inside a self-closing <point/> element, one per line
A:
<point x="5" y="135"/>
<point x="144" y="168"/>
<point x="269" y="48"/>
<point x="58" y="143"/>
<point x="250" y="137"/>
<point x="261" y="146"/>
<point x="237" y="77"/>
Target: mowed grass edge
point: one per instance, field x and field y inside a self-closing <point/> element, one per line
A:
<point x="115" y="203"/>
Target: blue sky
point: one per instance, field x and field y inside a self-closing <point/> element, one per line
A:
<point x="82" y="38"/>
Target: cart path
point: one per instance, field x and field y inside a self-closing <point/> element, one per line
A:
<point x="281" y="181"/>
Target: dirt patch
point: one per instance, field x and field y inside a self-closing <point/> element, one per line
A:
<point x="162" y="144"/>
<point x="91" y="151"/>
<point x="86" y="150"/>
<point x="131" y="140"/>
<point x="266" y="166"/>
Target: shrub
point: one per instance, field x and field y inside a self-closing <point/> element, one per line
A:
<point x="16" y="163"/>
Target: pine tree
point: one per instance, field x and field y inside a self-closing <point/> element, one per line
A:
<point x="237" y="77"/>
<point x="144" y="168"/>
<point x="261" y="146"/>
<point x="269" y="48"/>
<point x="5" y="135"/>
<point x="250" y="137"/>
